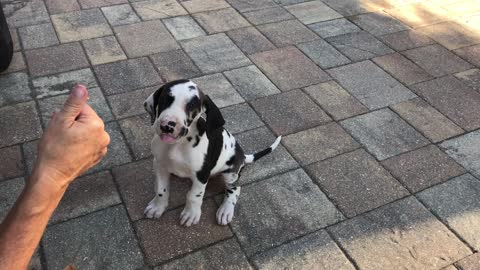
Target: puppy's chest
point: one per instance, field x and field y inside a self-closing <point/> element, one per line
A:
<point x="184" y="162"/>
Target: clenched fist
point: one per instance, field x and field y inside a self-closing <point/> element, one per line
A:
<point x="74" y="140"/>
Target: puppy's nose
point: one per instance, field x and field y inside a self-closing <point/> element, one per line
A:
<point x="167" y="126"/>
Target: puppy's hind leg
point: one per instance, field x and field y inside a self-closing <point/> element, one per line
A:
<point x="226" y="211"/>
<point x="159" y="203"/>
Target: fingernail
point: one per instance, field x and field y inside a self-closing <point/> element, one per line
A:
<point x="78" y="92"/>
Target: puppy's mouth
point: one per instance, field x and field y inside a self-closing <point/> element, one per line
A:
<point x="168" y="138"/>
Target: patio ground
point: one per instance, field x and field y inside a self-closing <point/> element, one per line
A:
<point x="378" y="102"/>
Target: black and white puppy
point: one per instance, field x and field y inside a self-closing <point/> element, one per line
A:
<point x="187" y="145"/>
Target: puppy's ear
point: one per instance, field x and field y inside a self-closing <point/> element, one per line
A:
<point x="214" y="117"/>
<point x="151" y="104"/>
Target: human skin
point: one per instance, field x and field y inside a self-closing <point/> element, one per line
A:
<point x="74" y="141"/>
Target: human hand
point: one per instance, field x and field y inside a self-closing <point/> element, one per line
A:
<point x="74" y="140"/>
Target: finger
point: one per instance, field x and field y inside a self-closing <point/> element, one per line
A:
<point x="103" y="152"/>
<point x="74" y="104"/>
<point x="87" y="114"/>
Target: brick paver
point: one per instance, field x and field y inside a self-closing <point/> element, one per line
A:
<point x="378" y="102"/>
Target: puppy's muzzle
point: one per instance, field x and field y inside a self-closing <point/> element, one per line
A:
<point x="167" y="126"/>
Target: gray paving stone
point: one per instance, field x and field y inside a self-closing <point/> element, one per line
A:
<point x="62" y="83"/>
<point x="250" y="40"/>
<point x="400" y="234"/>
<point x="456" y="203"/>
<point x="226" y="255"/>
<point x="266" y="219"/>
<point x="87" y="4"/>
<point x="25" y="13"/>
<point x="62" y="6"/>
<point x="437" y="60"/>
<point x="286" y="33"/>
<point x="461" y="106"/>
<point x="356" y="182"/>
<point x="461" y="150"/>
<point x="81" y="25"/>
<point x="289" y="2"/>
<point x="335" y="100"/>
<point x="402" y="69"/>
<point x="267" y="15"/>
<point x="119" y="15"/>
<point x="167" y="230"/>
<point x="17" y="63"/>
<point x="194" y="6"/>
<point x="174" y="65"/>
<point x="96" y="101"/>
<point x="30" y="154"/>
<point x="334" y="28"/>
<point x="139" y="133"/>
<point x="158" y="9"/>
<point x="130" y="103"/>
<point x="319" y="143"/>
<point x="359" y="45"/>
<point x="470" y="77"/>
<point x="87" y="194"/>
<point x="183" y="27"/>
<point x="405" y="40"/>
<point x="135" y="73"/>
<point x="214" y="53"/>
<point x="371" y="85"/>
<point x="384" y="134"/>
<point x="290" y="112"/>
<point x="450" y="267"/>
<point x="451" y="35"/>
<point x="351" y="7"/>
<point x="423" y="168"/>
<point x="240" y="118"/>
<point x="378" y="23"/>
<point x="101" y="239"/>
<point x="314" y="251"/>
<point x="312" y="12"/>
<point x="15" y="88"/>
<point x="219" y="89"/>
<point x="471" y="54"/>
<point x="38" y="36"/>
<point x="9" y="191"/>
<point x="36" y="261"/>
<point x="429" y="13"/>
<point x="471" y="262"/>
<point x="103" y="50"/>
<point x="145" y="38"/>
<point x="289" y="68"/>
<point x="426" y="119"/>
<point x="251" y="83"/>
<point x="248" y="5"/>
<point x="323" y="54"/>
<point x="11" y="162"/>
<point x="20" y="123"/>
<point x="56" y="59"/>
<point x="117" y="149"/>
<point x="15" y="40"/>
<point x="221" y="20"/>
<point x="278" y="161"/>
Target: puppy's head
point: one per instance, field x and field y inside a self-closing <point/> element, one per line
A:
<point x="176" y="106"/>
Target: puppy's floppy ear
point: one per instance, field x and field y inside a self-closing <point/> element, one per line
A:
<point x="151" y="104"/>
<point x="214" y="117"/>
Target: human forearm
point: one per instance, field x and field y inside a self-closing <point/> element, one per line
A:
<point x="21" y="230"/>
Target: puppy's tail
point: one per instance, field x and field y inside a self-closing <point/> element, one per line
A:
<point x="258" y="155"/>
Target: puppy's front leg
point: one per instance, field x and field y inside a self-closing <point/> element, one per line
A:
<point x="193" y="207"/>
<point x="159" y="203"/>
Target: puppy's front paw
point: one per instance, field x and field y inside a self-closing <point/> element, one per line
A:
<point x="225" y="213"/>
<point x="155" y="208"/>
<point x="190" y="215"/>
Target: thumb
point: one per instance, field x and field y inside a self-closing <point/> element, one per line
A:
<point x="75" y="102"/>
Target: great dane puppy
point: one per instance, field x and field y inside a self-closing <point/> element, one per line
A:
<point x="190" y="142"/>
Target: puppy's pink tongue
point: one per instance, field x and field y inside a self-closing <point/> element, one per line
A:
<point x="167" y="138"/>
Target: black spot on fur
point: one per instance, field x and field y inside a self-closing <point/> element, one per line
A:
<point x="197" y="141"/>
<point x="234" y="188"/>
<point x="160" y="195"/>
<point x="231" y="160"/>
<point x="198" y="195"/>
<point x="229" y="191"/>
<point x="164" y="190"/>
<point x="201" y="126"/>
<point x="231" y="145"/>
<point x="225" y="147"/>
<point x="228" y="133"/>
<point x="189" y="139"/>
<point x="191" y="87"/>
<point x="183" y="131"/>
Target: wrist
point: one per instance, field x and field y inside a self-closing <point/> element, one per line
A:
<point x="48" y="180"/>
